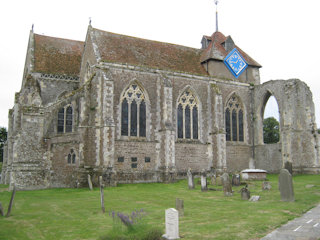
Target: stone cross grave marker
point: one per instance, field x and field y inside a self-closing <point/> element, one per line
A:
<point x="203" y="181"/>
<point x="180" y="206"/>
<point x="226" y="183"/>
<point x="286" y="186"/>
<point x="190" y="179"/>
<point x="172" y="224"/>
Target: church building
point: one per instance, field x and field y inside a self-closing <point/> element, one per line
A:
<point x="135" y="110"/>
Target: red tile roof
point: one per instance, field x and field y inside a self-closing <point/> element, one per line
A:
<point x="136" y="51"/>
<point x="56" y="55"/>
<point x="216" y="50"/>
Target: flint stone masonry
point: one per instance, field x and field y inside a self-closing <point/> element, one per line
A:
<point x="92" y="80"/>
<point x="286" y="186"/>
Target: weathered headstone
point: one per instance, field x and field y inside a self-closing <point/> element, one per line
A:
<point x="89" y="182"/>
<point x="218" y="180"/>
<point x="172" y="224"/>
<point x="11" y="201"/>
<point x="101" y="195"/>
<point x="226" y="183"/>
<point x="213" y="180"/>
<point x="236" y="180"/>
<point x="288" y="166"/>
<point x="286" y="186"/>
<point x="254" y="198"/>
<point x="266" y="185"/>
<point x="245" y="193"/>
<point x="190" y="179"/>
<point x="204" y="181"/>
<point x="180" y="207"/>
<point x="1" y="210"/>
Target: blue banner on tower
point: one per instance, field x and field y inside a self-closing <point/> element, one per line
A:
<point x="235" y="63"/>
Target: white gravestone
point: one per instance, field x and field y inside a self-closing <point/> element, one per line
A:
<point x="172" y="224"/>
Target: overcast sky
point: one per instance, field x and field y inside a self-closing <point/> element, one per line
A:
<point x="282" y="35"/>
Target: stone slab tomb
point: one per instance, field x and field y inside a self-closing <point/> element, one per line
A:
<point x="253" y="174"/>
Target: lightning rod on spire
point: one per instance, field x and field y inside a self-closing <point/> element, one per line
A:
<point x="216" y="2"/>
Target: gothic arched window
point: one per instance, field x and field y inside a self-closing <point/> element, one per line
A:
<point x="71" y="157"/>
<point x="234" y="120"/>
<point x="133" y="112"/>
<point x="188" y="116"/>
<point x="65" y="119"/>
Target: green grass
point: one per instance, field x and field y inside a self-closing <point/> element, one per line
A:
<point x="75" y="213"/>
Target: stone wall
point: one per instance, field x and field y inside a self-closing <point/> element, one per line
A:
<point x="268" y="157"/>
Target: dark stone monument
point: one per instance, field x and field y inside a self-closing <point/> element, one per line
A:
<point x="180" y="206"/>
<point x="286" y="186"/>
<point x="288" y="166"/>
<point x="236" y="180"/>
<point x="190" y="179"/>
<point x="203" y="181"/>
<point x="245" y="193"/>
<point x="226" y="183"/>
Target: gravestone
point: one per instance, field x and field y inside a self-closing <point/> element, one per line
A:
<point x="203" y="181"/>
<point x="101" y="195"/>
<point x="286" y="186"/>
<point x="219" y="181"/>
<point x="1" y="210"/>
<point x="190" y="179"/>
<point x="254" y="198"/>
<point x="266" y="185"/>
<point x="172" y="224"/>
<point x="288" y="166"/>
<point x="213" y="180"/>
<point x="236" y="180"/>
<point x="89" y="182"/>
<point x="245" y="193"/>
<point x="180" y="207"/>
<point x="226" y="183"/>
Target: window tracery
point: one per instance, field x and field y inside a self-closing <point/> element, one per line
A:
<point x="133" y="112"/>
<point x="187" y="116"/>
<point x="72" y="157"/>
<point x="234" y="119"/>
<point x="65" y="119"/>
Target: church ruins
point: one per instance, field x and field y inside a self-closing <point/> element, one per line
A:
<point x="136" y="110"/>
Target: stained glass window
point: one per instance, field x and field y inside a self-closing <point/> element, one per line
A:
<point x="69" y="119"/>
<point x="240" y="116"/>
<point x="187" y="116"/>
<point x="228" y="125"/>
<point x="61" y="120"/>
<point x="133" y="109"/>
<point x="65" y="119"/>
<point x="234" y="119"/>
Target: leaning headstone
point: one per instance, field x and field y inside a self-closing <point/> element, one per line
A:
<point x="286" y="186"/>
<point x="89" y="182"/>
<point x="203" y="181"/>
<point x="172" y="224"/>
<point x="245" y="193"/>
<point x="226" y="183"/>
<point x="288" y="166"/>
<point x="180" y="207"/>
<point x="11" y="201"/>
<point x="254" y="198"/>
<point x="1" y="210"/>
<point x="190" y="179"/>
<point x="236" y="180"/>
<point x="266" y="185"/>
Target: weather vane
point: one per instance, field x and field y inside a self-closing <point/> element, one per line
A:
<point x="216" y="2"/>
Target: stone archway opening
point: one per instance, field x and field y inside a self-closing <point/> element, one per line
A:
<point x="271" y="119"/>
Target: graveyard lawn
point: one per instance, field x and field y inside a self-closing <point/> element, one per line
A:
<point x="76" y="213"/>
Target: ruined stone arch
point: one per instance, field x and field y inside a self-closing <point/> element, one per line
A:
<point x="134" y="104"/>
<point x="188" y="113"/>
<point x="235" y="118"/>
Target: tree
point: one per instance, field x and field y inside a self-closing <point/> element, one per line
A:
<point x="3" y="139"/>
<point x="271" y="130"/>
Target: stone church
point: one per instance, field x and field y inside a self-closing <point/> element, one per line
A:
<point x="135" y="110"/>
